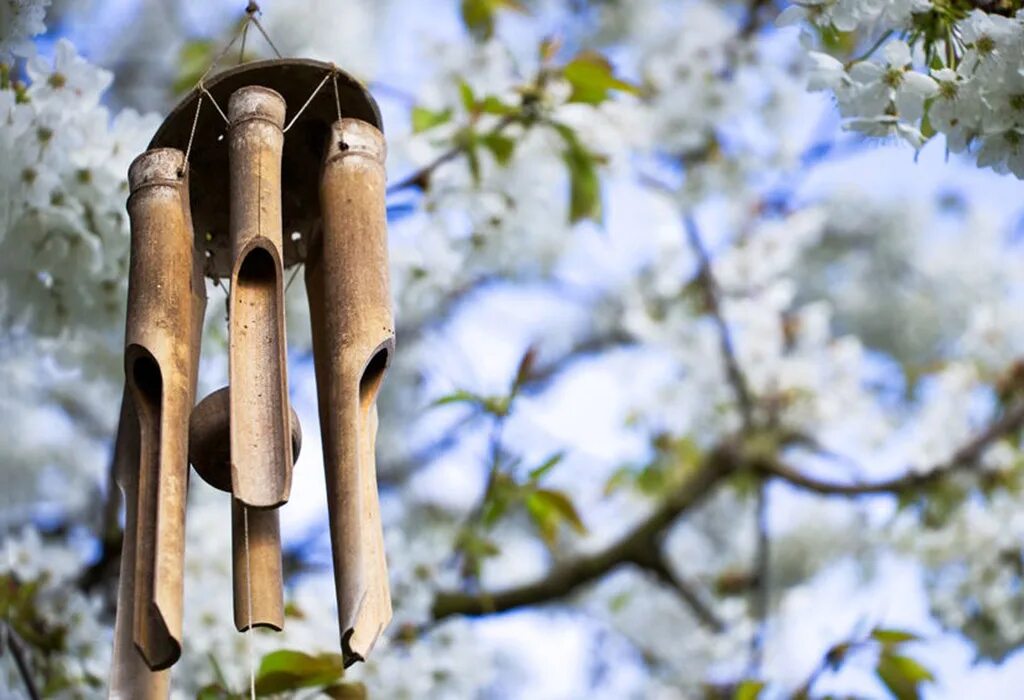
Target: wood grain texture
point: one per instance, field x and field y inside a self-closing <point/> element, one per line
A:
<point x="353" y="340"/>
<point x="161" y="347"/>
<point x="260" y="454"/>
<point x="256" y="572"/>
<point x="130" y="676"/>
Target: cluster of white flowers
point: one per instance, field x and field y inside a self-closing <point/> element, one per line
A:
<point x="966" y="85"/>
<point x="849" y="15"/>
<point x="63" y="228"/>
<point x="80" y="638"/>
<point x="973" y="565"/>
<point x="20" y="20"/>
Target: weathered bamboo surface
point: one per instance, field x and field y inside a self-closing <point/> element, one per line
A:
<point x="130" y="678"/>
<point x="256" y="567"/>
<point x="257" y="577"/>
<point x="353" y="338"/>
<point x="160" y="369"/>
<point x="260" y="454"/>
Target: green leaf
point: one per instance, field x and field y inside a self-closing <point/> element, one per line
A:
<point x="467" y="96"/>
<point x="902" y="675"/>
<point x="525" y="368"/>
<point x="592" y="78"/>
<point x="500" y="494"/>
<point x="538" y="473"/>
<point x="492" y="105"/>
<point x="748" y="690"/>
<point x="548" y="509"/>
<point x="193" y="60"/>
<point x="474" y="549"/>
<point x="424" y="119"/>
<point x="346" y="691"/>
<point x="892" y="637"/>
<point x="584" y="183"/>
<point x="468" y="141"/>
<point x="548" y="48"/>
<point x="460" y="396"/>
<point x="501" y="146"/>
<point x="619" y="478"/>
<point x="214" y="691"/>
<point x="478" y="15"/>
<point x="286" y="670"/>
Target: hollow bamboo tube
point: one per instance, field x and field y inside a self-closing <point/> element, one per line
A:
<point x="160" y="347"/>
<point x="256" y="567"/>
<point x="353" y="339"/>
<point x="130" y="677"/>
<point x="260" y="454"/>
<point x="258" y="576"/>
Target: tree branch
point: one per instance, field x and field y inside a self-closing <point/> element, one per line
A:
<point x="712" y="299"/>
<point x="965" y="457"/>
<point x="658" y="565"/>
<point x="567" y="578"/>
<point x="420" y="178"/>
<point x="13" y="642"/>
<point x="718" y="465"/>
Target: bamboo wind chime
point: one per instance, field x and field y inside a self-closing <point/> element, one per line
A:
<point x="288" y="155"/>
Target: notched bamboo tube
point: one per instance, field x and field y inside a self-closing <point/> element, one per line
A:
<point x="130" y="677"/>
<point x="160" y="347"/>
<point x="260" y="454"/>
<point x="353" y="339"/>
<point x="257" y="579"/>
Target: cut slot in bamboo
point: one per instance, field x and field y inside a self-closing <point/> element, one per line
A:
<point x="160" y="345"/>
<point x="353" y="339"/>
<point x="260" y="458"/>
<point x="131" y="678"/>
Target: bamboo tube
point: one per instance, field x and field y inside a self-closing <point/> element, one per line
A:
<point x="256" y="567"/>
<point x="260" y="458"/>
<point x="130" y="677"/>
<point x="159" y="373"/>
<point x="353" y="338"/>
<point x="256" y="574"/>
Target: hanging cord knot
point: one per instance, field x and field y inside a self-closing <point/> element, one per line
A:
<point x="252" y="8"/>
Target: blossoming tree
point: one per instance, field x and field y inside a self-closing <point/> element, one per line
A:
<point x="697" y="368"/>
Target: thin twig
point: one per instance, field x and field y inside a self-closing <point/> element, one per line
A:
<point x="967" y="456"/>
<point x="762" y="591"/>
<point x="420" y="177"/>
<point x="16" y="645"/>
<point x="712" y="299"/>
<point x="658" y="565"/>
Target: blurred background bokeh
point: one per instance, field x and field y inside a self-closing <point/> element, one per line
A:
<point x="698" y="392"/>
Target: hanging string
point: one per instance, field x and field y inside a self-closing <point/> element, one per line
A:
<point x="248" y="586"/>
<point x="191" y="137"/>
<point x="291" y="279"/>
<point x="245" y="33"/>
<point x="308" y="101"/>
<point x="265" y="35"/>
<point x="337" y="97"/>
<point x="204" y="91"/>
